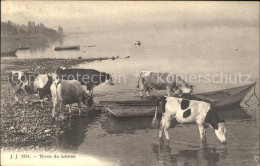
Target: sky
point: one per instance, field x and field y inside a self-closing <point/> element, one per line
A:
<point x="95" y="16"/>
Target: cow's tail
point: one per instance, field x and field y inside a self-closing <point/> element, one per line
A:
<point x="137" y="86"/>
<point x="56" y="83"/>
<point x="162" y="102"/>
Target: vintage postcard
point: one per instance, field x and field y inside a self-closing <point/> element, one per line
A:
<point x="129" y="83"/>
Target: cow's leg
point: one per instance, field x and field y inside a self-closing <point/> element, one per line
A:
<point x="16" y="98"/>
<point x="41" y="101"/>
<point x="92" y="91"/>
<point x="169" y="91"/>
<point x="142" y="87"/>
<point x="166" y="131"/>
<point x="53" y="109"/>
<point x="155" y="121"/>
<point x="141" y="91"/>
<point x="161" y="131"/>
<point x="70" y="105"/>
<point x="202" y="132"/>
<point x="79" y="105"/>
<point x="147" y="92"/>
<point x="62" y="106"/>
<point x="16" y="93"/>
<point x="165" y="125"/>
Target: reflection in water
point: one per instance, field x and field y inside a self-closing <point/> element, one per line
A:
<point x="125" y="125"/>
<point x="39" y="47"/>
<point x="60" y="41"/>
<point x="74" y="134"/>
<point x="115" y="125"/>
<point x="78" y="125"/>
<point x="205" y="155"/>
<point x="123" y="137"/>
<point x="35" y="44"/>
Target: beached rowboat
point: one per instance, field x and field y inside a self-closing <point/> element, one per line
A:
<point x="9" y="54"/>
<point x="67" y="48"/>
<point x="218" y="99"/>
<point x="23" y="48"/>
<point x="227" y="97"/>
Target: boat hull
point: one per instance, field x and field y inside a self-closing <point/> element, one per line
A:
<point x="67" y="48"/>
<point x="9" y="54"/>
<point x="147" y="107"/>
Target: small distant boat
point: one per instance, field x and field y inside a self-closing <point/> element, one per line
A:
<point x="23" y="48"/>
<point x="9" y="54"/>
<point x="137" y="43"/>
<point x="67" y="48"/>
<point x="218" y="99"/>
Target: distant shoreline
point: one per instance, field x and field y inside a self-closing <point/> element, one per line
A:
<point x="32" y="37"/>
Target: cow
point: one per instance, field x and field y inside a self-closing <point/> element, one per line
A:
<point x="30" y="83"/>
<point x="161" y="81"/>
<point x="190" y="111"/>
<point x="87" y="77"/>
<point x="68" y="92"/>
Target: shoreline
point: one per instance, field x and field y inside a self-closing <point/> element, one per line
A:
<point x="42" y="65"/>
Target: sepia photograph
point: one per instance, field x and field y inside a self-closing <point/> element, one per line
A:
<point x="130" y="83"/>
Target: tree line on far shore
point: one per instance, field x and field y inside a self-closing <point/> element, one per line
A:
<point x="12" y="30"/>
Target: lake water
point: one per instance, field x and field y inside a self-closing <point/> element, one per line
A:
<point x="132" y="141"/>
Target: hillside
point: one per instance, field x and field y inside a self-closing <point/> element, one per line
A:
<point x="12" y="30"/>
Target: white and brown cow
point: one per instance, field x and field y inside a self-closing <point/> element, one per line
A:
<point x="68" y="92"/>
<point x="30" y="83"/>
<point x="161" y="81"/>
<point x="190" y="111"/>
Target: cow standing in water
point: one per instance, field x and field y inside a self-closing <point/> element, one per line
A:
<point x="190" y="111"/>
<point x="161" y="81"/>
<point x="30" y="83"/>
<point x="87" y="77"/>
<point x="68" y="92"/>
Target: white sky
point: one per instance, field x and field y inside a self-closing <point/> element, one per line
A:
<point x="86" y="16"/>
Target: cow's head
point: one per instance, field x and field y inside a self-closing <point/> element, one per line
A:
<point x="108" y="79"/>
<point x="87" y="99"/>
<point x="42" y="84"/>
<point x="220" y="132"/>
<point x="217" y="124"/>
<point x="18" y="77"/>
<point x="185" y="88"/>
<point x="13" y="78"/>
<point x="23" y="79"/>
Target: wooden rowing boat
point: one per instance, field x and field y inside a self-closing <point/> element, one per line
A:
<point x="9" y="54"/>
<point x="67" y="48"/>
<point x="227" y="97"/>
<point x="218" y="99"/>
<point x="23" y="48"/>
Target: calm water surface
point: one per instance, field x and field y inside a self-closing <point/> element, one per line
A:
<point x="132" y="141"/>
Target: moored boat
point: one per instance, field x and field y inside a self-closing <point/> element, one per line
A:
<point x="77" y="47"/>
<point x="23" y="48"/>
<point x="218" y="99"/>
<point x="9" y="54"/>
<point x="226" y="97"/>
